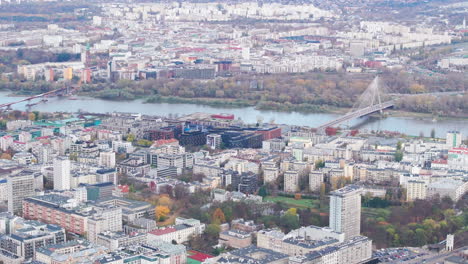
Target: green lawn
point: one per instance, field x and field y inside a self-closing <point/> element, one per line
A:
<point x="192" y="261"/>
<point x="291" y="202"/>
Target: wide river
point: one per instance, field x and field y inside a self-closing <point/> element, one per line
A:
<point x="407" y="125"/>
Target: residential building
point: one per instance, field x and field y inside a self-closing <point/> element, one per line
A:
<point x="75" y="251"/>
<point x="115" y="240"/>
<point x="270" y="174"/>
<point x="454" y="139"/>
<point x="455" y="189"/>
<point x="416" y="189"/>
<point x="345" y="211"/>
<point x="62" y="176"/>
<point x="180" y="233"/>
<point x="315" y="180"/>
<point x="291" y="181"/>
<point x="31" y="236"/>
<point x="107" y="159"/>
<point x="19" y="187"/>
<point x="235" y="239"/>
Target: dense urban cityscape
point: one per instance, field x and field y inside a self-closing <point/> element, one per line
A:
<point x="284" y="132"/>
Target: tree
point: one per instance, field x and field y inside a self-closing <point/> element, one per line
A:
<point x="263" y="192"/>
<point x="399" y="145"/>
<point x="319" y="164"/>
<point x="180" y="192"/>
<point x="289" y="222"/>
<point x="165" y="200"/>
<point x="398" y="155"/>
<point x="433" y="133"/>
<point x="144" y="142"/>
<point x="322" y="193"/>
<point x="212" y="230"/>
<point x="218" y="216"/>
<point x="5" y="156"/>
<point x="292" y="211"/>
<point x="417" y="88"/>
<point x="161" y="212"/>
<point x="32" y="116"/>
<point x="130" y="138"/>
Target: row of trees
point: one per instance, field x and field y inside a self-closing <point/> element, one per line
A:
<point x="440" y="105"/>
<point x="413" y="224"/>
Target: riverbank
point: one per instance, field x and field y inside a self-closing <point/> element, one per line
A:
<point x="229" y="103"/>
<point x="287" y="107"/>
<point x="248" y="114"/>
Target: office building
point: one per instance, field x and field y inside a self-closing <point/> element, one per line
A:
<point x="345" y="211"/>
<point x="246" y="182"/>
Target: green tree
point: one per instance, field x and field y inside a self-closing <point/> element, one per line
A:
<point x="420" y="236"/>
<point x="212" y="230"/>
<point x="433" y="133"/>
<point x="319" y="164"/>
<point x="289" y="222"/>
<point x="398" y="155"/>
<point x="144" y="143"/>
<point x="130" y="138"/>
<point x="399" y="145"/>
<point x="263" y="192"/>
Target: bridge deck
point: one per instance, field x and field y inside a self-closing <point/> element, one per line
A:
<point x="358" y="113"/>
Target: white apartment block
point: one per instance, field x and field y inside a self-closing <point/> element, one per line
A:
<point x="291" y="181"/>
<point x="270" y="174"/>
<point x="345" y="211"/>
<point x="416" y="189"/>
<point x="62" y="176"/>
<point x="315" y="181"/>
<point x="107" y="159"/>
<point x="19" y="186"/>
<point x="455" y="189"/>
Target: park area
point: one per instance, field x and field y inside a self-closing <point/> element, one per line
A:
<point x="291" y="202"/>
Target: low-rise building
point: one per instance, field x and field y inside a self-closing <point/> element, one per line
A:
<point x="32" y="235"/>
<point x="235" y="238"/>
<point x="180" y="232"/>
<point x="115" y="240"/>
<point x="455" y="189"/>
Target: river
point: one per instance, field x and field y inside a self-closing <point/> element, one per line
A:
<point x="407" y="125"/>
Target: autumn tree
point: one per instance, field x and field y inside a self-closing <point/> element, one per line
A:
<point x="165" y="200"/>
<point x="218" y="216"/>
<point x="5" y="156"/>
<point x="322" y="194"/>
<point x="161" y="212"/>
<point x="32" y="116"/>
